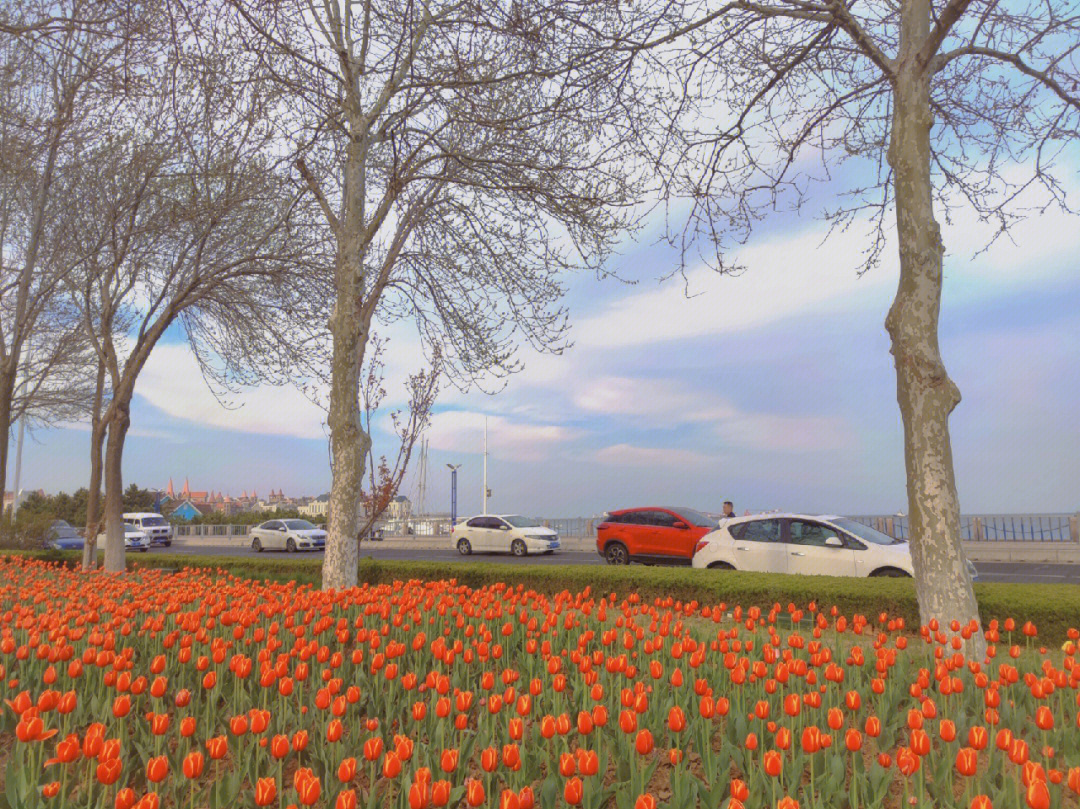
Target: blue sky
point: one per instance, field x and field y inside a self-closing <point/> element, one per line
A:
<point x="774" y="389"/>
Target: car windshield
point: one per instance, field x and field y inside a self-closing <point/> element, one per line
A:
<point x="62" y="529"/>
<point x="696" y="517"/>
<point x="154" y="521"/>
<point x="518" y="521"/>
<point x="298" y="525"/>
<point x="865" y="532"/>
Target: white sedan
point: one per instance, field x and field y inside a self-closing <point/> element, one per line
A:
<point x="824" y="545"/>
<point x="287" y="535"/>
<point x="135" y="539"/>
<point x="503" y="533"/>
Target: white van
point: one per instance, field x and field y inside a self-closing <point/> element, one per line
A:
<point x="157" y="528"/>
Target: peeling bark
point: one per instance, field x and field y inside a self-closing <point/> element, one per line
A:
<point x="118" y="423"/>
<point x="349" y="442"/>
<point x="926" y="394"/>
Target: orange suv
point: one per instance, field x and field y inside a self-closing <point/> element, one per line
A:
<point x="657" y="535"/>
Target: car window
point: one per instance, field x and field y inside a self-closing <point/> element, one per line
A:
<point x="494" y="522"/>
<point x="641" y="517"/>
<point x="803" y="532"/>
<point x="758" y="531"/>
<point x="663" y="519"/>
<point x="273" y="525"/>
<point x="692" y="517"/>
<point x="476" y="522"/>
<point x="299" y="525"/>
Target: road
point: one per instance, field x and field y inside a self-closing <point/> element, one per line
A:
<point x="988" y="571"/>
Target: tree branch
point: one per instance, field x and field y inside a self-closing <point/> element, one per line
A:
<point x="1012" y="59"/>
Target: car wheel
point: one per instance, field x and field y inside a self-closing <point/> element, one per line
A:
<point x="721" y="566"/>
<point x="615" y="554"/>
<point x="463" y="547"/>
<point x="256" y="545"/>
<point x="891" y="573"/>
<point x="144" y="550"/>
<point x="517" y="547"/>
<point x="290" y="545"/>
<point x="168" y="544"/>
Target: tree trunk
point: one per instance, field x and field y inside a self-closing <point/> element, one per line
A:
<point x="118" y="423"/>
<point x="349" y="442"/>
<point x="7" y="392"/>
<point x="923" y="389"/>
<point x="93" y="495"/>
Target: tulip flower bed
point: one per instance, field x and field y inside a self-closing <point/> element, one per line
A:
<point x="200" y="689"/>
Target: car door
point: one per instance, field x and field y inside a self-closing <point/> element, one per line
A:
<point x="272" y="536"/>
<point x="665" y="538"/>
<point x="477" y="533"/>
<point x="759" y="546"/>
<point x="808" y="553"/>
<point x="499" y="534"/>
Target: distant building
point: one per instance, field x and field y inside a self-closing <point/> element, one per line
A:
<point x="318" y="507"/>
<point x="186" y="510"/>
<point x="400" y="508"/>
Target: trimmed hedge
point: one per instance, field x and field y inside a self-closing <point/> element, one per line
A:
<point x="1053" y="608"/>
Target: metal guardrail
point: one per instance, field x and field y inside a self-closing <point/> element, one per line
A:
<point x="993" y="527"/>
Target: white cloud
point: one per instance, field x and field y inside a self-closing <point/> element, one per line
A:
<point x="666" y="400"/>
<point x="630" y="455"/>
<point x="171" y="382"/>
<point x="766" y="431"/>
<point x="463" y="431"/>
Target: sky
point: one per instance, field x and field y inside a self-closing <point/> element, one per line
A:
<point x="773" y="388"/>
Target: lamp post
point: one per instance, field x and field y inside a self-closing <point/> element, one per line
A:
<point x="453" y="493"/>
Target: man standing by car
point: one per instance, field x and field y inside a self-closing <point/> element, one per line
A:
<point x="729" y="510"/>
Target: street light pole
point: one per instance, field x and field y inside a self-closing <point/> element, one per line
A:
<point x="453" y="494"/>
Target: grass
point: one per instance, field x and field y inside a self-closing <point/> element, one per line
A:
<point x="1053" y="608"/>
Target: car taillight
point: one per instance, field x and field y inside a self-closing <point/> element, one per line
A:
<point x="701" y="544"/>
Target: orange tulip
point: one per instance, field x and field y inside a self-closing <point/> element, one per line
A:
<point x="449" y="760"/>
<point x="773" y="763"/>
<point x="108" y="771"/>
<point x="373" y="748"/>
<point x="646" y="801"/>
<point x="217" y="747"/>
<point x="1037" y="795"/>
<point x="440" y="793"/>
<point x="194" y="762"/>
<point x="347" y="799"/>
<point x="391" y="767"/>
<point x="474" y="792"/>
<point x="265" y="791"/>
<point x="346" y="770"/>
<point x="157" y="769"/>
<point x="967" y="761"/>
<point x="644" y="743"/>
<point x="573" y="792"/>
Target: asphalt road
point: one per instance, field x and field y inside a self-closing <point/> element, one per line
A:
<point x="988" y="571"/>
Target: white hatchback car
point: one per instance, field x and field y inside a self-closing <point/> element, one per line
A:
<point x="287" y="535"/>
<point x="503" y="533"/>
<point x="825" y="545"/>
<point x="135" y="539"/>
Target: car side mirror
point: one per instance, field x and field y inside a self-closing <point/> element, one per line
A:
<point x="504" y="527"/>
<point x="680" y="525"/>
<point x="833" y="542"/>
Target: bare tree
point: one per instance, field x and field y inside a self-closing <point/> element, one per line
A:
<point x="187" y="221"/>
<point x="939" y="102"/>
<point x="455" y="156"/>
<point x="49" y="76"/>
<point x="384" y="477"/>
